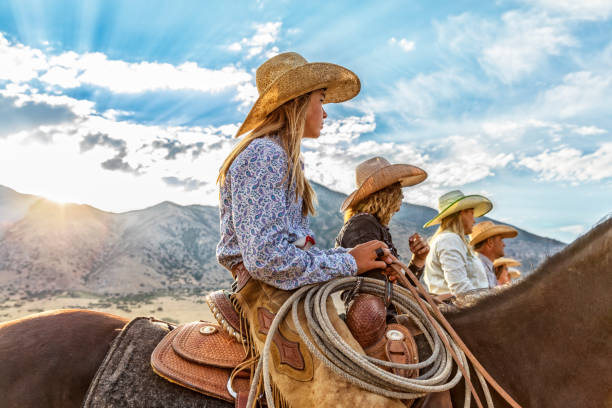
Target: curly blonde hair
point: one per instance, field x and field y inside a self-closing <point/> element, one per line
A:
<point x="381" y="204"/>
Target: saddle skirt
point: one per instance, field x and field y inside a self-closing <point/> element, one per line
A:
<point x="201" y="356"/>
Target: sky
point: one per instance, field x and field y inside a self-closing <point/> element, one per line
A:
<point x="124" y="104"/>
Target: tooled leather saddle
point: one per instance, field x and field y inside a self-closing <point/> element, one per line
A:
<point x="202" y="355"/>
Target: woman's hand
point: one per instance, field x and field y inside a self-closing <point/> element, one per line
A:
<point x="419" y="248"/>
<point x="367" y="257"/>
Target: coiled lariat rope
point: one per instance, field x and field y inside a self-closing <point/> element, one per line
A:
<point x="365" y="371"/>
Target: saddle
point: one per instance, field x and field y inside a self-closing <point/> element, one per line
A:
<point x="202" y="355"/>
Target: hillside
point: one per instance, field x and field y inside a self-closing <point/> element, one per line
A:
<point x="45" y="246"/>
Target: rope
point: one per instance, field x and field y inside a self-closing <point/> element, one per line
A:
<point x="364" y="371"/>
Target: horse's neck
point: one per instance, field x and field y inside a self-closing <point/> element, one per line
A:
<point x="539" y="330"/>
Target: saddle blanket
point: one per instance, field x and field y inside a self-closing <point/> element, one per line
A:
<point x="125" y="378"/>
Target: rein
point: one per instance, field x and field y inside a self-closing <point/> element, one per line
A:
<point x="398" y="266"/>
<point x="364" y="371"/>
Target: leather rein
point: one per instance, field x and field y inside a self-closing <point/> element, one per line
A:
<point x="417" y="291"/>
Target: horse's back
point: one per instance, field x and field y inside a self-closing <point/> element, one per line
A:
<point x="49" y="359"/>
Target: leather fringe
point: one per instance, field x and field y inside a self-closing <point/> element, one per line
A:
<point x="253" y="359"/>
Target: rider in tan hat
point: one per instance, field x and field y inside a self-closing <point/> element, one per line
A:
<point x="451" y="266"/>
<point x="504" y="271"/>
<point x="368" y="209"/>
<point x="266" y="241"/>
<point x="487" y="239"/>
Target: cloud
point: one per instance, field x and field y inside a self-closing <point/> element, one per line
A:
<point x="188" y="184"/>
<point x="90" y="141"/>
<point x="573" y="229"/>
<point x="332" y="158"/>
<point x="510" y="49"/>
<point x="582" y="92"/>
<point x="71" y="70"/>
<point x="22" y="115"/>
<point x="20" y="63"/>
<point x="582" y="10"/>
<point x="419" y="97"/>
<point x="265" y="35"/>
<point x="571" y="164"/>
<point x="403" y="43"/>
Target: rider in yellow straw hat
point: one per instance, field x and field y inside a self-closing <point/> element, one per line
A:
<point x="451" y="266"/>
<point x="504" y="271"/>
<point x="487" y="239"/>
<point x="266" y="241"/>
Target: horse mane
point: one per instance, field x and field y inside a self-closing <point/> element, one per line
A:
<point x="485" y="299"/>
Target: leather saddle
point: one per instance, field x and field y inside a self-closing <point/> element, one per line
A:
<point x="202" y="355"/>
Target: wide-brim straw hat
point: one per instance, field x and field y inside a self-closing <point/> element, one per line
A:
<point x="455" y="201"/>
<point x="377" y="173"/>
<point x="287" y="76"/>
<point x="506" y="261"/>
<point x="514" y="273"/>
<point x="488" y="229"/>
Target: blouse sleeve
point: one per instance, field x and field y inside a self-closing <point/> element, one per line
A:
<point x="260" y="214"/>
<point x="453" y="262"/>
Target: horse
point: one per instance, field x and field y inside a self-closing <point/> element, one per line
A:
<point x="547" y="339"/>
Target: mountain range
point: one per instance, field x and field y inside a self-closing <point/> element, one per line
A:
<point x="46" y="246"/>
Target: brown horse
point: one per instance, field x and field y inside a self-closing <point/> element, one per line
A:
<point x="547" y="340"/>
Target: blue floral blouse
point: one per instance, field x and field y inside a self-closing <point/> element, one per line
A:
<point x="261" y="219"/>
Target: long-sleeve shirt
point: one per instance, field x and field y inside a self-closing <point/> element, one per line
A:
<point x="451" y="268"/>
<point x="261" y="220"/>
<point x="488" y="267"/>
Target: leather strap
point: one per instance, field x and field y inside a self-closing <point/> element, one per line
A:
<point x="397" y="266"/>
<point x="242" y="276"/>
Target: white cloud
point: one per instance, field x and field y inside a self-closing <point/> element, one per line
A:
<point x="70" y="70"/>
<point x="331" y="160"/>
<point x="509" y="49"/>
<point x="524" y="42"/>
<point x="419" y="96"/>
<point x="570" y="164"/>
<point x="403" y="43"/>
<point x="583" y="9"/>
<point x="581" y="92"/>
<point x="589" y="130"/>
<point x="20" y="63"/>
<point x="573" y="229"/>
<point x="265" y="35"/>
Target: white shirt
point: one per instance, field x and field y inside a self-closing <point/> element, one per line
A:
<point x="451" y="268"/>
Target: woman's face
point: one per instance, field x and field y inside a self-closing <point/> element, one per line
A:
<point x="315" y="114"/>
<point x="467" y="219"/>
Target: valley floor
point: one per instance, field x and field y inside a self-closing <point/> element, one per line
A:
<point x="176" y="309"/>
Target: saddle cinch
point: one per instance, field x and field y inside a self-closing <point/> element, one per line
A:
<point x="202" y="355"/>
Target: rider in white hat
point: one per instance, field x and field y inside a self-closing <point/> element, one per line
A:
<point x="451" y="266"/>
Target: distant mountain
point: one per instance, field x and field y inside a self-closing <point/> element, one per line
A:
<point x="48" y="246"/>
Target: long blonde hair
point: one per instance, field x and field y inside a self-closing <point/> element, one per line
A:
<point x="453" y="223"/>
<point x="288" y="121"/>
<point x="381" y="204"/>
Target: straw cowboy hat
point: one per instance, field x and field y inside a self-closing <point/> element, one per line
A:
<point x="377" y="173"/>
<point x="487" y="229"/>
<point x="514" y="273"/>
<point x="455" y="201"/>
<point x="506" y="261"/>
<point x="287" y="76"/>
